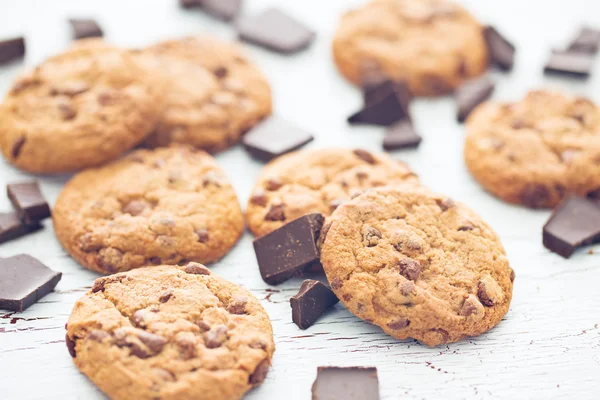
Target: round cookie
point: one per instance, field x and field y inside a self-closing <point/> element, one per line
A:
<point x="432" y="45"/>
<point x="312" y="181"/>
<point x="536" y="151"/>
<point x="417" y="265"/>
<point x="78" y="109"/>
<point x="170" y="333"/>
<point x="214" y="93"/>
<point x="163" y="206"/>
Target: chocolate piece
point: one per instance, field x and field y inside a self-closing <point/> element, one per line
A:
<point x="190" y="3"/>
<point x="502" y="52"/>
<point x="11" y="227"/>
<point x="223" y="9"/>
<point x="574" y="223"/>
<point x="385" y="104"/>
<point x="471" y="94"/>
<point x="276" y="31"/>
<point x="587" y="41"/>
<point x="310" y="303"/>
<point x="23" y="281"/>
<point x="274" y="137"/>
<point x="289" y="250"/>
<point x="11" y="49"/>
<point x="85" y="28"/>
<point x="401" y="135"/>
<point x="28" y="201"/>
<point x="569" y="63"/>
<point x="338" y="383"/>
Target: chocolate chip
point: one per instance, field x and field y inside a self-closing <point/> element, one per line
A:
<point x="445" y="204"/>
<point x="155" y="260"/>
<point x="466" y="227"/>
<point x="336" y="283"/>
<point x="471" y="94"/>
<point x="371" y="236"/>
<point x="409" y="268"/>
<point x="85" y="28"/>
<point x="18" y="146"/>
<point x="259" y="198"/>
<point x="311" y="301"/>
<point x="407" y="287"/>
<point x="401" y="135"/>
<point x="11" y="49"/>
<point x="203" y="235"/>
<point x="276" y="213"/>
<point x="138" y="318"/>
<point x="186" y="341"/>
<point x="70" y="346"/>
<point x="258" y="344"/>
<point x="109" y="258"/>
<point x="260" y="373"/>
<point x="220" y="72"/>
<point x="166" y="296"/>
<point x="484" y="294"/>
<point x="399" y="324"/>
<point x="69" y="88"/>
<point x="216" y="337"/>
<point x="535" y="196"/>
<point x="196" y="269"/>
<point x="67" y="112"/>
<point x="238" y="306"/>
<point x="106" y="97"/>
<point x="98" y="335"/>
<point x="471" y="306"/>
<point x="502" y="52"/>
<point x="519" y="123"/>
<point x="204" y="327"/>
<point x="365" y="156"/>
<point x="274" y="137"/>
<point x="569" y="63"/>
<point x="273" y="184"/>
<point x="87" y="243"/>
<point x="155" y="343"/>
<point x="435" y="85"/>
<point x="134" y="207"/>
<point x="512" y="275"/>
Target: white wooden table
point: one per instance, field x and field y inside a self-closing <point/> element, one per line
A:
<point x="548" y="346"/>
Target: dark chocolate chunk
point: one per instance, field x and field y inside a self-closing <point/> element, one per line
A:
<point x="289" y="250"/>
<point x="28" y="201"/>
<point x="85" y="28"/>
<point x="23" y="281"/>
<point x="570" y="63"/>
<point x="223" y="9"/>
<point x="471" y="94"/>
<point x="574" y="223"/>
<point x="343" y="383"/>
<point x="587" y="41"/>
<point x="11" y="49"/>
<point x="310" y="303"/>
<point x="502" y="52"/>
<point x="11" y="227"/>
<point x="385" y="104"/>
<point x="401" y="135"/>
<point x="275" y="30"/>
<point x="274" y="137"/>
<point x="190" y="3"/>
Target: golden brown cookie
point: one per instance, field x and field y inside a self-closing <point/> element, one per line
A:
<point x="213" y="95"/>
<point x="536" y="151"/>
<point x="170" y="333"/>
<point x="432" y="45"/>
<point x="416" y="264"/>
<point x="163" y="206"/>
<point x="78" y="109"/>
<point x="320" y="180"/>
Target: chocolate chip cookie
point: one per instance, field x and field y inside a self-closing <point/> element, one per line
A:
<point x="317" y="181"/>
<point x="432" y="45"/>
<point x="163" y="206"/>
<point x="416" y="264"/>
<point x="213" y="94"/>
<point x="536" y="151"/>
<point x="170" y="333"/>
<point x="78" y="109"/>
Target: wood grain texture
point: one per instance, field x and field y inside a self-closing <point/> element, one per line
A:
<point x="548" y="345"/>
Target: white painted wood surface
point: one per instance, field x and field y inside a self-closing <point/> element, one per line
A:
<point x="548" y="346"/>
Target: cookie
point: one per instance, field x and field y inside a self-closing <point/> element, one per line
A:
<point x="536" y="151"/>
<point x="170" y="333"/>
<point x="432" y="45"/>
<point x="214" y="94"/>
<point x="317" y="181"/>
<point x="163" y="206"/>
<point x="78" y="109"/>
<point x="416" y="264"/>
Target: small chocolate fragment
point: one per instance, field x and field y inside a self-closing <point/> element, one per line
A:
<point x="289" y="250"/>
<point x="23" y="281"/>
<point x="222" y="9"/>
<point x="569" y="63"/>
<point x="11" y="227"/>
<point x="85" y="28"/>
<point x="587" y="41"/>
<point x="344" y="383"/>
<point x="190" y="3"/>
<point x="274" y="137"/>
<point x="276" y="31"/>
<point x="471" y="94"/>
<point x="310" y="303"/>
<point x="502" y="52"/>
<point x="385" y="104"/>
<point x="401" y="135"/>
<point x="28" y="201"/>
<point x="574" y="223"/>
<point x="11" y="49"/>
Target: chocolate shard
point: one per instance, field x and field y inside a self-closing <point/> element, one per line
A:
<point x="11" y="227"/>
<point x="85" y="28"/>
<point x="274" y="137"/>
<point x="502" y="52"/>
<point x="471" y="94"/>
<point x="275" y="30"/>
<point x="384" y="104"/>
<point x="12" y="49"/>
<point x="587" y="41"/>
<point x="312" y="300"/>
<point x="569" y="63"/>
<point x="343" y="383"/>
<point x="574" y="223"/>
<point x="23" y="281"/>
<point x="222" y="9"/>
<point x="28" y="201"/>
<point x="289" y="250"/>
<point x="401" y="135"/>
